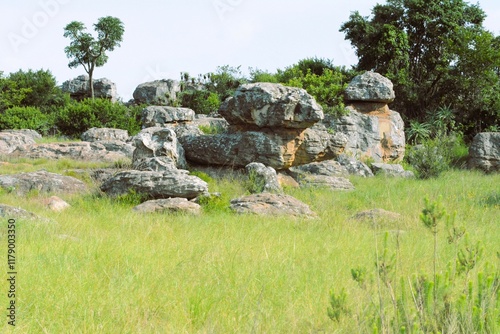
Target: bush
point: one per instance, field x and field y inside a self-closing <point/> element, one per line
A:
<point x="25" y="118"/>
<point x="78" y="117"/>
<point x="201" y="101"/>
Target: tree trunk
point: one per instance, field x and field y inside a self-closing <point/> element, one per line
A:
<point x="91" y="83"/>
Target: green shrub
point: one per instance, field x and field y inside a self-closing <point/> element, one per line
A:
<point x="78" y="117"/>
<point x="25" y="118"/>
<point x="201" y="101"/>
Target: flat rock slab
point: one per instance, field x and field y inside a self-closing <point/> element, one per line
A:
<point x="181" y="205"/>
<point x="266" y="204"/>
<point x="153" y="116"/>
<point x="391" y="170"/>
<point x="41" y="181"/>
<point x="332" y="182"/>
<point x="11" y="139"/>
<point x="376" y="215"/>
<point x="99" y="134"/>
<point x="89" y="151"/>
<point x="155" y="185"/>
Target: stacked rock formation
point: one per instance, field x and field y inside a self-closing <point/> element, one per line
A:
<point x="78" y="88"/>
<point x="270" y="124"/>
<point x="373" y="130"/>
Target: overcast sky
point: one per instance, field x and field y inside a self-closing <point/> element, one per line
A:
<point x="164" y="37"/>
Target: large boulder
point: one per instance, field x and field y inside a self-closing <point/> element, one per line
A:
<point x="373" y="131"/>
<point x="267" y="204"/>
<point x="277" y="148"/>
<point x="354" y="166"/>
<point x="78" y="88"/>
<point x="484" y="152"/>
<point x="42" y="182"/>
<point x="156" y="149"/>
<point x="370" y="87"/>
<point x="11" y="139"/>
<point x="158" y="92"/>
<point x="329" y="174"/>
<point x="104" y="134"/>
<point x="161" y="115"/>
<point x="155" y="185"/>
<point x="271" y="105"/>
<point x="89" y="151"/>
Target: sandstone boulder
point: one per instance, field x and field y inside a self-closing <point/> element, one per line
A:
<point x="11" y="139"/>
<point x="105" y="134"/>
<point x="370" y="87"/>
<point x="78" y="88"/>
<point x="271" y="105"/>
<point x="267" y="204"/>
<point x="156" y="149"/>
<point x="155" y="185"/>
<point x="158" y="92"/>
<point x="277" y="148"/>
<point x="180" y="205"/>
<point x="41" y="181"/>
<point x="262" y="178"/>
<point x="484" y="152"/>
<point x="372" y="130"/>
<point x="152" y="116"/>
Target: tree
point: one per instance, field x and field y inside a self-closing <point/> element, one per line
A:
<point x="89" y="52"/>
<point x="437" y="54"/>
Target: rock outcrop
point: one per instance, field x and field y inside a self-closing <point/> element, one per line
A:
<point x="157" y="149"/>
<point x="42" y="182"/>
<point x="267" y="204"/>
<point x="155" y="185"/>
<point x="105" y="134"/>
<point x="158" y="92"/>
<point x="10" y="140"/>
<point x="89" y="151"/>
<point x="354" y="167"/>
<point x="484" y="152"/>
<point x="177" y="205"/>
<point x="373" y="130"/>
<point x="11" y="212"/>
<point x="78" y="88"/>
<point x="160" y="116"/>
<point x="329" y="174"/>
<point x="271" y="105"/>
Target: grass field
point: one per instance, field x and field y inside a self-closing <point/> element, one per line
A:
<point x="99" y="267"/>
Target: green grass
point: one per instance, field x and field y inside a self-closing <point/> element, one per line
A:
<point x="102" y="268"/>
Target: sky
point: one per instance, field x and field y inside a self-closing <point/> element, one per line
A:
<point x="166" y="37"/>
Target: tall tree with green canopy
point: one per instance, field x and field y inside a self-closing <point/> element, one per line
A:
<point x="88" y="51"/>
<point x="436" y="52"/>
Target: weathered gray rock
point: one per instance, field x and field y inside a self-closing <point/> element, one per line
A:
<point x="123" y="148"/>
<point x="263" y="179"/>
<point x="78" y="88"/>
<point x="277" y="148"/>
<point x="155" y="185"/>
<point x="267" y="204"/>
<point x="271" y="105"/>
<point x="370" y="87"/>
<point x="484" y="152"/>
<point x="153" y="116"/>
<point x="42" y="182"/>
<point x="10" y="212"/>
<point x="158" y="92"/>
<point x="180" y="205"/>
<point x="213" y="124"/>
<point x="354" y="167"/>
<point x="373" y="131"/>
<point x="89" y="151"/>
<point x="323" y="181"/>
<point x="11" y="139"/>
<point x="376" y="215"/>
<point x="157" y="150"/>
<point x="392" y="170"/>
<point x="105" y="134"/>
<point x="327" y="168"/>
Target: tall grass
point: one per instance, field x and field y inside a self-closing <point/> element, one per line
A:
<point x="99" y="267"/>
